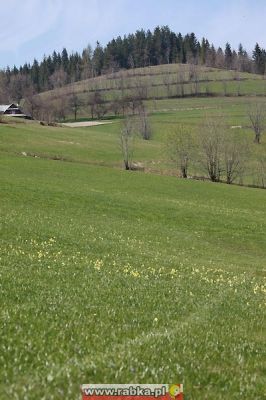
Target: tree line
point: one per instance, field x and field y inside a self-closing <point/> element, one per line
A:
<point x="212" y="147"/>
<point x="219" y="152"/>
<point x="141" y="49"/>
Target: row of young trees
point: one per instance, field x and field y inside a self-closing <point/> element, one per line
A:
<point x="92" y="103"/>
<point x="136" y="125"/>
<point x="222" y="154"/>
<point x="144" y="48"/>
<point x="219" y="153"/>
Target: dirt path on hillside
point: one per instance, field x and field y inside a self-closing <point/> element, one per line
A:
<point x="85" y="123"/>
<point x="95" y="123"/>
<point x="182" y="109"/>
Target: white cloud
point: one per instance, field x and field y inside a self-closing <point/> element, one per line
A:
<point x="24" y="21"/>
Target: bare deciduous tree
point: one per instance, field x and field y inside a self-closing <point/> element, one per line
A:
<point x="46" y="111"/>
<point x="87" y="64"/>
<point x="75" y="104"/>
<point x="261" y="173"/>
<point x="135" y="103"/>
<point x="32" y="103"/>
<point x="38" y="108"/>
<point x="141" y="88"/>
<point x="60" y="108"/>
<point x="235" y="153"/>
<point x="126" y="142"/>
<point x="144" y="124"/>
<point x="121" y="84"/>
<point x="212" y="147"/>
<point x="115" y="106"/>
<point x="180" y="81"/>
<point x="207" y="85"/>
<point x="91" y="104"/>
<point x="168" y="82"/>
<point x="224" y="84"/>
<point x="179" y="145"/>
<point x="58" y="79"/>
<point x="97" y="104"/>
<point x="194" y="78"/>
<point x="256" y="114"/>
<point x="224" y="154"/>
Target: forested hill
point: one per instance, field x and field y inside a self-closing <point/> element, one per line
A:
<point x="143" y="48"/>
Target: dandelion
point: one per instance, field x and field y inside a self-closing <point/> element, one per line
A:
<point x="136" y="274"/>
<point x="98" y="264"/>
<point x="173" y="271"/>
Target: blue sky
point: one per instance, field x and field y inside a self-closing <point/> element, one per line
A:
<point x="32" y="28"/>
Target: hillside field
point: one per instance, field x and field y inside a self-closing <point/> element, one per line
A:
<point x="159" y="82"/>
<point x="100" y="145"/>
<point x="116" y="276"/>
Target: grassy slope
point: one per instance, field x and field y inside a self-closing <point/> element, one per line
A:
<point x="164" y="81"/>
<point x="110" y="276"/>
<point x="100" y="145"/>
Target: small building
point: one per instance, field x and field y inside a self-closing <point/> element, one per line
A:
<point x="12" y="110"/>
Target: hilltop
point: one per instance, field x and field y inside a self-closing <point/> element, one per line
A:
<point x="140" y="49"/>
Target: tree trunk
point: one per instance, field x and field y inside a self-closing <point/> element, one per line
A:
<point x="184" y="172"/>
<point x="257" y="138"/>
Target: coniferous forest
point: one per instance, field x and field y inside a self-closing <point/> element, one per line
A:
<point x="141" y="49"/>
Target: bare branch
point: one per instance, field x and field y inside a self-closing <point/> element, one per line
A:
<point x="126" y="142"/>
<point x="179" y="149"/>
<point x="212" y="146"/>
<point x="256" y="114"/>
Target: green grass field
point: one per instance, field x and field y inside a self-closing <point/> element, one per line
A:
<point x="99" y="145"/>
<point x="110" y="276"/>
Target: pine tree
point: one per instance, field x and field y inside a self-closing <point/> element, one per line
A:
<point x="98" y="59"/>
<point x="156" y="55"/>
<point x="204" y="49"/>
<point x="240" y="50"/>
<point x="228" y="56"/>
<point x="65" y="60"/>
<point x="259" y="58"/>
<point x="35" y="75"/>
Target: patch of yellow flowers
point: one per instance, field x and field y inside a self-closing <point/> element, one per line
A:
<point x="45" y="251"/>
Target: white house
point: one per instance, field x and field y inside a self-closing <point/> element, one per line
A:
<point x="12" y="110"/>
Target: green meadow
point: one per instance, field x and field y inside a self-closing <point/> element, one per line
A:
<point x="99" y="145"/>
<point x="110" y="276"/>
